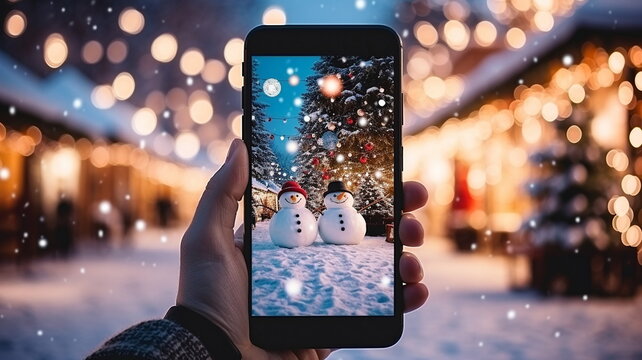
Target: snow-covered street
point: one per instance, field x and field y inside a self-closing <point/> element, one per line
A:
<point x="65" y="309"/>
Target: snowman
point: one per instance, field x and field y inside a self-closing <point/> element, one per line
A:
<point x="293" y="225"/>
<point x="340" y="224"/>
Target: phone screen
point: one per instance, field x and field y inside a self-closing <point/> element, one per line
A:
<point x="322" y="144"/>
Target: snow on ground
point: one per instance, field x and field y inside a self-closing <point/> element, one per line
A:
<point x="321" y="279"/>
<point x="60" y="312"/>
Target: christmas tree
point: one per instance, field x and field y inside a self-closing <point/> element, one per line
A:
<point x="264" y="162"/>
<point x="371" y="200"/>
<point x="346" y="124"/>
<point x="572" y="191"/>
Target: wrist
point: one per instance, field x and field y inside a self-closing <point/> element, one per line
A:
<point x="214" y="339"/>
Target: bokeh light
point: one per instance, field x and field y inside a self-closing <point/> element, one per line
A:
<point x="92" y="52"/>
<point x="187" y="145"/>
<point x="192" y="62"/>
<point x="235" y="77"/>
<point x="117" y="51"/>
<point x="123" y="86"/>
<point x="515" y="38"/>
<point x="144" y="121"/>
<point x="214" y="71"/>
<point x="55" y="50"/>
<point x="102" y="97"/>
<point x="274" y="15"/>
<point x="131" y="21"/>
<point x="485" y="33"/>
<point x="15" y="23"/>
<point x="233" y="51"/>
<point x="164" y="48"/>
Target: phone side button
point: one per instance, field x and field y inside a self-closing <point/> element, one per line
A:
<point x="402" y="104"/>
<point x="401" y="159"/>
<point x="242" y="97"/>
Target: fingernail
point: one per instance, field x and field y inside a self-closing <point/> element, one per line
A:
<point x="233" y="148"/>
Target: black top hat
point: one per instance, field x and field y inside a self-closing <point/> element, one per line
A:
<point x="337" y="186"/>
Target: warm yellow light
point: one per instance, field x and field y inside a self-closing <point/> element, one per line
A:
<point x="236" y="124"/>
<point x="532" y="105"/>
<point x="625" y="93"/>
<point x="521" y="5"/>
<point x="201" y="111"/>
<point x="635" y="54"/>
<point x="117" y="51"/>
<point x="418" y="67"/>
<point x="631" y="184"/>
<point x="100" y="157"/>
<point x="550" y="112"/>
<point x="621" y="223"/>
<point x="187" y="145"/>
<point x="274" y="15"/>
<point x="144" y="121"/>
<point x="176" y="98"/>
<point x="574" y="134"/>
<point x="55" y="50"/>
<point x="15" y="23"/>
<point x="635" y="137"/>
<point x="131" y="21"/>
<point x="92" y="52"/>
<point x="531" y="130"/>
<point x="620" y="161"/>
<point x="123" y="86"/>
<point x="544" y="5"/>
<point x="235" y="77"/>
<point x="621" y="205"/>
<point x="425" y="33"/>
<point x="454" y="86"/>
<point x="616" y="62"/>
<point x="576" y="93"/>
<point x="330" y="86"/>
<point x="164" y="48"/>
<point x="192" y="62"/>
<point x="485" y="33"/>
<point x="544" y="20"/>
<point x="605" y="77"/>
<point x="638" y="80"/>
<point x="457" y="35"/>
<point x="102" y="97"/>
<point x="633" y="236"/>
<point x="434" y="87"/>
<point x="515" y="38"/>
<point x="233" y="51"/>
<point x="214" y="71"/>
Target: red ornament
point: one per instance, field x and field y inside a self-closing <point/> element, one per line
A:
<point x="363" y="159"/>
<point x="350" y="121"/>
<point x="315" y="161"/>
<point x="308" y="136"/>
<point x="325" y="175"/>
<point x="368" y="146"/>
<point x="350" y="75"/>
<point x="331" y="153"/>
<point x="271" y="137"/>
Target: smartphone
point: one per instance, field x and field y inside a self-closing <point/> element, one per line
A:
<point x="322" y="116"/>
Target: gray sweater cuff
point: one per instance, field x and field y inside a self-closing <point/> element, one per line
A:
<point x="155" y="339"/>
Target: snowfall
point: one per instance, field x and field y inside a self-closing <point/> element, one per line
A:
<point x="64" y="309"/>
<point x="321" y="279"/>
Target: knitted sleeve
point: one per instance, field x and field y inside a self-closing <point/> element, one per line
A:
<point x="155" y="339"/>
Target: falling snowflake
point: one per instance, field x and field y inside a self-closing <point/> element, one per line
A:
<point x="511" y="314"/>
<point x="293" y="287"/>
<point x="77" y="104"/>
<point x="140" y="225"/>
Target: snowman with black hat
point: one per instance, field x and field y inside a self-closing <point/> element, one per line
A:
<point x="340" y="223"/>
<point x="293" y="225"/>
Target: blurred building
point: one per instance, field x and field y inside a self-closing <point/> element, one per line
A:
<point x="542" y="149"/>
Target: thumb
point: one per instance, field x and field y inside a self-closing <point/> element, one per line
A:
<point x="216" y="211"/>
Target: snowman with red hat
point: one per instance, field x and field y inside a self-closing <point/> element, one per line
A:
<point x="293" y="225"/>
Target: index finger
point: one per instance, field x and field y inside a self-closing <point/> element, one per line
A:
<point x="415" y="195"/>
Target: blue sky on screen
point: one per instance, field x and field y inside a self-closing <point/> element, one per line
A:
<point x="283" y="105"/>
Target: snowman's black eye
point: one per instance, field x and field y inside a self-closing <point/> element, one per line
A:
<point x="334" y="195"/>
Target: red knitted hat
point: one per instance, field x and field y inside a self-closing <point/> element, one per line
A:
<point x="292" y="186"/>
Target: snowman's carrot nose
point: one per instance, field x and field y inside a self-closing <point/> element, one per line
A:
<point x="340" y="196"/>
<point x="292" y="198"/>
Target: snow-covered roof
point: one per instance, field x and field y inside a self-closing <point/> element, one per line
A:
<point x="65" y="98"/>
<point x="605" y="15"/>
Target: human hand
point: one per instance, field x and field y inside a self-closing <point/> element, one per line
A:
<point x="213" y="274"/>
